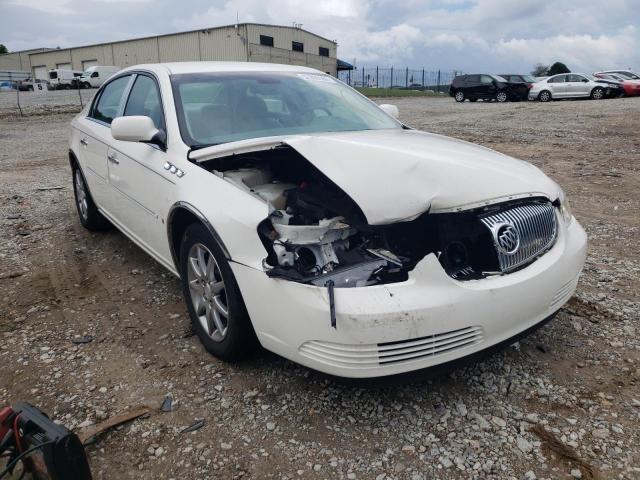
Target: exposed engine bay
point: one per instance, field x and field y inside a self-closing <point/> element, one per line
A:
<point x="315" y="233"/>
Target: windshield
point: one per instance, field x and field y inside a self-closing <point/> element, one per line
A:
<point x="629" y="75"/>
<point x="216" y="108"/>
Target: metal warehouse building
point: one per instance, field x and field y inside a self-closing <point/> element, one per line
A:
<point x="250" y="42"/>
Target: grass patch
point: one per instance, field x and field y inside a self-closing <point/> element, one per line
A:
<point x="396" y="92"/>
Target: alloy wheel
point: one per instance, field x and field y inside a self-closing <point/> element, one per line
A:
<point x="459" y="97"/>
<point x="208" y="294"/>
<point x="81" y="195"/>
<point x="545" y="97"/>
<point x="501" y="97"/>
<point x="597" y="94"/>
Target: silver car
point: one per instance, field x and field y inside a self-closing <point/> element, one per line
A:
<point x="567" y="85"/>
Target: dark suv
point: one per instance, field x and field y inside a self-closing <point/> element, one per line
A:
<point x="487" y="87"/>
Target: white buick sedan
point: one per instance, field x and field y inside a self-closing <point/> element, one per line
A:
<point x="300" y="215"/>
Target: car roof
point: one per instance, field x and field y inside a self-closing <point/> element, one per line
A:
<point x="177" y="68"/>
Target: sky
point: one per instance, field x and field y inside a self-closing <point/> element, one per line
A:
<point x="467" y="35"/>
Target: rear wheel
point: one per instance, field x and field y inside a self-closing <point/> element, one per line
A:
<point x="597" y="93"/>
<point x="459" y="96"/>
<point x="214" y="301"/>
<point x="90" y="217"/>
<point x="501" y="97"/>
<point x="544" y="96"/>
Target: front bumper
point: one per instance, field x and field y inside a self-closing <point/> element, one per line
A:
<point x="427" y="320"/>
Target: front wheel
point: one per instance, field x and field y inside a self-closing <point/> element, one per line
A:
<point x="459" y="96"/>
<point x="214" y="301"/>
<point x="597" y="93"/>
<point x="544" y="96"/>
<point x="501" y="97"/>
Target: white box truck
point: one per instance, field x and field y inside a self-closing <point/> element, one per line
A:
<point x="60" y="78"/>
<point x="94" y="77"/>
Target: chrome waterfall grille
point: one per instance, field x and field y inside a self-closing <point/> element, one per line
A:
<point x="522" y="233"/>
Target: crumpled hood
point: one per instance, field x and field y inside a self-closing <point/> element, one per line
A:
<point x="396" y="175"/>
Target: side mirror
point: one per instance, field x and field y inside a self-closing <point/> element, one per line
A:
<point x="137" y="128"/>
<point x="390" y="109"/>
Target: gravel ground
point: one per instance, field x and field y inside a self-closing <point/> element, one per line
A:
<point x="563" y="403"/>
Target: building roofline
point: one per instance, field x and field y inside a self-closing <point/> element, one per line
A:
<point x="46" y="50"/>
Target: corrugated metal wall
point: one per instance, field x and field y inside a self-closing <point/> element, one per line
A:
<point x="231" y="43"/>
<point x="225" y="44"/>
<point x="179" y="48"/>
<point x="283" y="36"/>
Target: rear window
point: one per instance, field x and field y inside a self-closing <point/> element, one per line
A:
<point x="108" y="106"/>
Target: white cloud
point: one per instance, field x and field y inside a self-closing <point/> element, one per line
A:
<point x="479" y="35"/>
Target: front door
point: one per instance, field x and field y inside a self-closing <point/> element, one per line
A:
<point x="487" y="87"/>
<point x="141" y="186"/>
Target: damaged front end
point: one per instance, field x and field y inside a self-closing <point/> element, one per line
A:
<point x="316" y="234"/>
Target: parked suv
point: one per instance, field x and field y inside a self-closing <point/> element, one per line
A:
<point x="486" y="87"/>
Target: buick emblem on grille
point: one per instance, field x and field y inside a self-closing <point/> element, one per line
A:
<point x="507" y="237"/>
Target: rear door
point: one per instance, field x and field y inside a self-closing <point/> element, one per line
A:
<point x="472" y="86"/>
<point x="95" y="135"/>
<point x="141" y="186"/>
<point x="558" y="86"/>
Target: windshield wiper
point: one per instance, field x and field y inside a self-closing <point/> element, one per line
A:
<point x="201" y="146"/>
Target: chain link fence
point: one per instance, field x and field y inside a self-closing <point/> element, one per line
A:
<point x="27" y="101"/>
<point x="392" y="77"/>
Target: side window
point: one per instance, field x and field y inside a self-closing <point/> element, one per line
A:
<point x="486" y="79"/>
<point x="558" y="79"/>
<point x="144" y="99"/>
<point x="266" y="40"/>
<point x="108" y="105"/>
<point x="473" y="78"/>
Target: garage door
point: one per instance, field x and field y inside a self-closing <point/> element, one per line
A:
<point x="88" y="63"/>
<point x="41" y="72"/>
<point x="64" y="66"/>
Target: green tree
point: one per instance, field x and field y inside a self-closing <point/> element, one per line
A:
<point x="3" y="49"/>
<point x="557" y="68"/>
<point x="540" y="70"/>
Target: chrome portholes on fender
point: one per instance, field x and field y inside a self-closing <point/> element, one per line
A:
<point x="171" y="168"/>
<point x="207" y="291"/>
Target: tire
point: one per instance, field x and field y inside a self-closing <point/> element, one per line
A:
<point x="90" y="217"/>
<point x="218" y="314"/>
<point x="459" y="96"/>
<point x="597" y="93"/>
<point x="544" y="96"/>
<point x="502" y="97"/>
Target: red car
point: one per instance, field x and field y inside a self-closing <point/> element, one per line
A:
<point x="630" y="81"/>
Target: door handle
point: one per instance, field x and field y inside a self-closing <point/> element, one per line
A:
<point x="84" y="142"/>
<point x="112" y="158"/>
